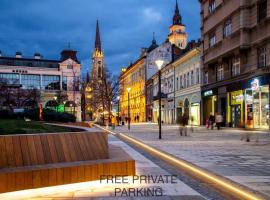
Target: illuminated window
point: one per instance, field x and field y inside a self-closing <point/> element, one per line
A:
<point x="236" y="66"/>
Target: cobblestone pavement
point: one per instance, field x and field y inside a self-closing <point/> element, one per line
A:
<point x="222" y="152"/>
<point x="96" y="191"/>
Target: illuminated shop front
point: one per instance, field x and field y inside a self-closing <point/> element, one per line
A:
<point x="257" y="105"/>
<point x="209" y="104"/>
<point x="190" y="104"/>
<point x="235" y="109"/>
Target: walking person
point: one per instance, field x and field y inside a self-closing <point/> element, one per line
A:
<point x="219" y="120"/>
<point x="113" y="122"/>
<point x="191" y="124"/>
<point x="185" y="123"/>
<point x="211" y="121"/>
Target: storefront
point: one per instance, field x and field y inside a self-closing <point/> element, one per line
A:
<point x="209" y="104"/>
<point x="249" y="103"/>
<point x="189" y="104"/>
<point x="257" y="105"/>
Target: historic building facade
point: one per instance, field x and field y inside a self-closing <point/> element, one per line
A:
<point x="236" y="61"/>
<point x="49" y="78"/>
<point x="187" y="84"/>
<point x="132" y="84"/>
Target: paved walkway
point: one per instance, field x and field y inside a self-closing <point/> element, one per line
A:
<point x="97" y="191"/>
<point x="219" y="151"/>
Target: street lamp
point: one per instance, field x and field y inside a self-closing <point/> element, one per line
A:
<point x="159" y="64"/>
<point x="128" y="90"/>
<point x="118" y="98"/>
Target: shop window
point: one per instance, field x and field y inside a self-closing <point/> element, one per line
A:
<point x="236" y="66"/>
<point x="220" y="73"/>
<point x="212" y="39"/>
<point x="227" y="30"/>
<point x="262" y="10"/>
<point x="205" y="77"/>
<point x="212" y="6"/>
<point x="261" y="57"/>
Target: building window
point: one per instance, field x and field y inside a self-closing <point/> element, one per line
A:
<point x="205" y="77"/>
<point x="30" y="81"/>
<point x="261" y="57"/>
<point x="6" y="78"/>
<point x="181" y="82"/>
<point x="236" y="66"/>
<point x="64" y="83"/>
<point x="188" y="79"/>
<point x="192" y="78"/>
<point x="198" y="76"/>
<point x="51" y="82"/>
<point x="212" y="6"/>
<point x="69" y="66"/>
<point x="212" y="39"/>
<point x="185" y="80"/>
<point x="227" y="30"/>
<point x="262" y="10"/>
<point x="177" y="86"/>
<point x="220" y="72"/>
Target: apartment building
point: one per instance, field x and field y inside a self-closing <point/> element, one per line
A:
<point x="236" y="72"/>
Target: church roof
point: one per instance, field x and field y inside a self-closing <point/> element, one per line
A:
<point x="97" y="41"/>
<point x="177" y="19"/>
<point x="153" y="45"/>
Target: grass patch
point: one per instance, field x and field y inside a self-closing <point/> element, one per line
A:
<point x="9" y="126"/>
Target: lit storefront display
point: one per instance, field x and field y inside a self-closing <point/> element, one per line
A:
<point x="257" y="105"/>
<point x="209" y="104"/>
<point x="235" y="110"/>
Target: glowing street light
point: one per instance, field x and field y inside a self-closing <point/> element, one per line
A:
<point x="159" y="64"/>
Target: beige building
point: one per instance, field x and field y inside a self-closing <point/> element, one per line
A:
<point x="132" y="81"/>
<point x="236" y="61"/>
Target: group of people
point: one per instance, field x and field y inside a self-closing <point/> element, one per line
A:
<point x="214" y="120"/>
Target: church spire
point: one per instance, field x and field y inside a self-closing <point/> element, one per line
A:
<point x="177" y="19"/>
<point x="97" y="42"/>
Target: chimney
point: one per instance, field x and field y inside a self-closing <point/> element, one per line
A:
<point x="37" y="56"/>
<point x="18" y="55"/>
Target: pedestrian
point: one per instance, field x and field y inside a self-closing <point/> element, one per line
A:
<point x="211" y="121"/>
<point x="219" y="120"/>
<point x="138" y="118"/>
<point x="113" y="122"/>
<point x="183" y="121"/>
<point x="191" y="123"/>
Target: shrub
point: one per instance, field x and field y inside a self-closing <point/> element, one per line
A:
<point x="50" y="115"/>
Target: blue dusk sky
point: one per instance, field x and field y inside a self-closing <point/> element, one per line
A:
<point x="47" y="26"/>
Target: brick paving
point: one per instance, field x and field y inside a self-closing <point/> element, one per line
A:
<point x="221" y="151"/>
<point x="97" y="191"/>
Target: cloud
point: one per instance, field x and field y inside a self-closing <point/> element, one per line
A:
<point x="151" y="15"/>
<point x="126" y="25"/>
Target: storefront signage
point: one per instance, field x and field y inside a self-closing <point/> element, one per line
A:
<point x="208" y="93"/>
<point x="255" y="84"/>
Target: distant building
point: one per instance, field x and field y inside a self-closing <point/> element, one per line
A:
<point x="48" y="77"/>
<point x="236" y="61"/>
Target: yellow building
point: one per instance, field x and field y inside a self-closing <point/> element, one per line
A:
<point x="132" y="82"/>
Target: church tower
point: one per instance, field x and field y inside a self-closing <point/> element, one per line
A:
<point x="178" y="35"/>
<point x="98" y="67"/>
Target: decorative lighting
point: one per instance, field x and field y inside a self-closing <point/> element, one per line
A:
<point x="128" y="89"/>
<point x="159" y="63"/>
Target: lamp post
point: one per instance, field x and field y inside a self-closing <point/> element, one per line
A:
<point x="159" y="64"/>
<point x="118" y="98"/>
<point x="128" y="90"/>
